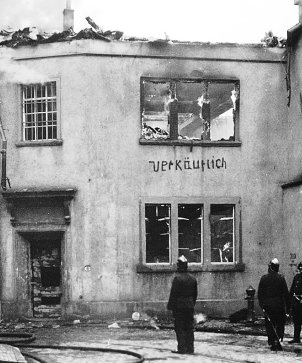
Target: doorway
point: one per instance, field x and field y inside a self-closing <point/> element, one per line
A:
<point x="46" y="276"/>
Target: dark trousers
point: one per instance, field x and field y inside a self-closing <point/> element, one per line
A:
<point x="183" y="325"/>
<point x="274" y="324"/>
<point x="297" y="319"/>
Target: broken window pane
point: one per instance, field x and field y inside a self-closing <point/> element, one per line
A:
<point x="222" y="111"/>
<point x="190" y="231"/>
<point x="158" y="232"/>
<point x="190" y="97"/>
<point x="155" y="113"/>
<point x="222" y="233"/>
<point x="190" y="109"/>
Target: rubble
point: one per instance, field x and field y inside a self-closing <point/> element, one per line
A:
<point x="32" y="36"/>
<point x="114" y="326"/>
<point x="270" y="40"/>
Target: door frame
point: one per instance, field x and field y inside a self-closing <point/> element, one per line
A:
<point x="23" y="276"/>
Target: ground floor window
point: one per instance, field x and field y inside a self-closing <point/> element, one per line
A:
<point x="205" y="231"/>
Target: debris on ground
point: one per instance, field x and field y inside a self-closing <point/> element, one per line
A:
<point x="114" y="326"/>
<point x="200" y="318"/>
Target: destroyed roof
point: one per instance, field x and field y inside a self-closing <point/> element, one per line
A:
<point x="31" y="36"/>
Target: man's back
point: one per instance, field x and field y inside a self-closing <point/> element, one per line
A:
<point x="183" y="292"/>
<point x="273" y="290"/>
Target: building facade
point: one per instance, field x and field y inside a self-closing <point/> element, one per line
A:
<point x="123" y="155"/>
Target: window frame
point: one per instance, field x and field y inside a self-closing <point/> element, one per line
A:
<point x="194" y="142"/>
<point x="50" y="142"/>
<point x="206" y="264"/>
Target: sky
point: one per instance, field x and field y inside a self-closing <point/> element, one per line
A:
<point x="239" y="21"/>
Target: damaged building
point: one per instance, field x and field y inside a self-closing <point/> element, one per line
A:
<point x="120" y="154"/>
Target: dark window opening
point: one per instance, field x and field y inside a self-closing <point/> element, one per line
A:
<point x="158" y="227"/>
<point x="222" y="233"/>
<point x="190" y="109"/>
<point x="190" y="231"/>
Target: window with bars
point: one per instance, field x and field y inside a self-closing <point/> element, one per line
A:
<point x="40" y="115"/>
<point x="205" y="231"/>
<point x="189" y="109"/>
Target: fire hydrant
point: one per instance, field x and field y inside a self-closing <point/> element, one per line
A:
<point x="250" y="291"/>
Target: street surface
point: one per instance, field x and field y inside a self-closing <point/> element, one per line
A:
<point x="156" y="346"/>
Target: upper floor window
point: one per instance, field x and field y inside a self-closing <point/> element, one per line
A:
<point x="40" y="115"/>
<point x="186" y="109"/>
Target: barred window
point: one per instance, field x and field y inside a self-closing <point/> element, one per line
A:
<point x="40" y="112"/>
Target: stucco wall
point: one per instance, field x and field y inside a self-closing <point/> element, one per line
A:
<point x="102" y="158"/>
<point x="292" y="190"/>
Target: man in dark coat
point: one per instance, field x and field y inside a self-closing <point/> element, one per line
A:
<point x="296" y="304"/>
<point x="182" y="301"/>
<point x="274" y="300"/>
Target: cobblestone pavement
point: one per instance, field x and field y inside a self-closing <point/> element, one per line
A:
<point x="156" y="345"/>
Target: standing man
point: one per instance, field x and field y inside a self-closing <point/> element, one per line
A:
<point x="296" y="304"/>
<point x="274" y="300"/>
<point x="182" y="301"/>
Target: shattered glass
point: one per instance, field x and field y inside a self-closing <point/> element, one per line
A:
<point x="156" y="111"/>
<point x="190" y="110"/>
<point x="158" y="232"/>
<point x="190" y="231"/>
<point x="222" y="233"/>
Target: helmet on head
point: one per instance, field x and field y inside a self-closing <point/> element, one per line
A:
<point x="300" y="267"/>
<point x="182" y="263"/>
<point x="274" y="265"/>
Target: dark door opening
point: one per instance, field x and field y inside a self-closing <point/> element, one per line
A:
<point x="45" y="262"/>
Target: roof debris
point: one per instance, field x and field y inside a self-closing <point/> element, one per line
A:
<point x="270" y="40"/>
<point x="31" y="35"/>
<point x="93" y="24"/>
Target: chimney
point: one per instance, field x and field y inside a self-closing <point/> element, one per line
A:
<point x="68" y="16"/>
<point x="299" y="2"/>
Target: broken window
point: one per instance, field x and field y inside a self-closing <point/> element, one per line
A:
<point x="222" y="233"/>
<point x="40" y="112"/>
<point x="158" y="227"/>
<point x="190" y="227"/>
<point x="178" y="227"/>
<point x="189" y="109"/>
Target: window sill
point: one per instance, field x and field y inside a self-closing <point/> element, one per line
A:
<point x="191" y="143"/>
<point x="39" y="143"/>
<point x="238" y="267"/>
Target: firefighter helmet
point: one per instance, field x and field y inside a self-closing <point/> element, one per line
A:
<point x="274" y="265"/>
<point x="182" y="263"/>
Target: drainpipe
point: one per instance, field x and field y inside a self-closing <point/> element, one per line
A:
<point x="3" y="156"/>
